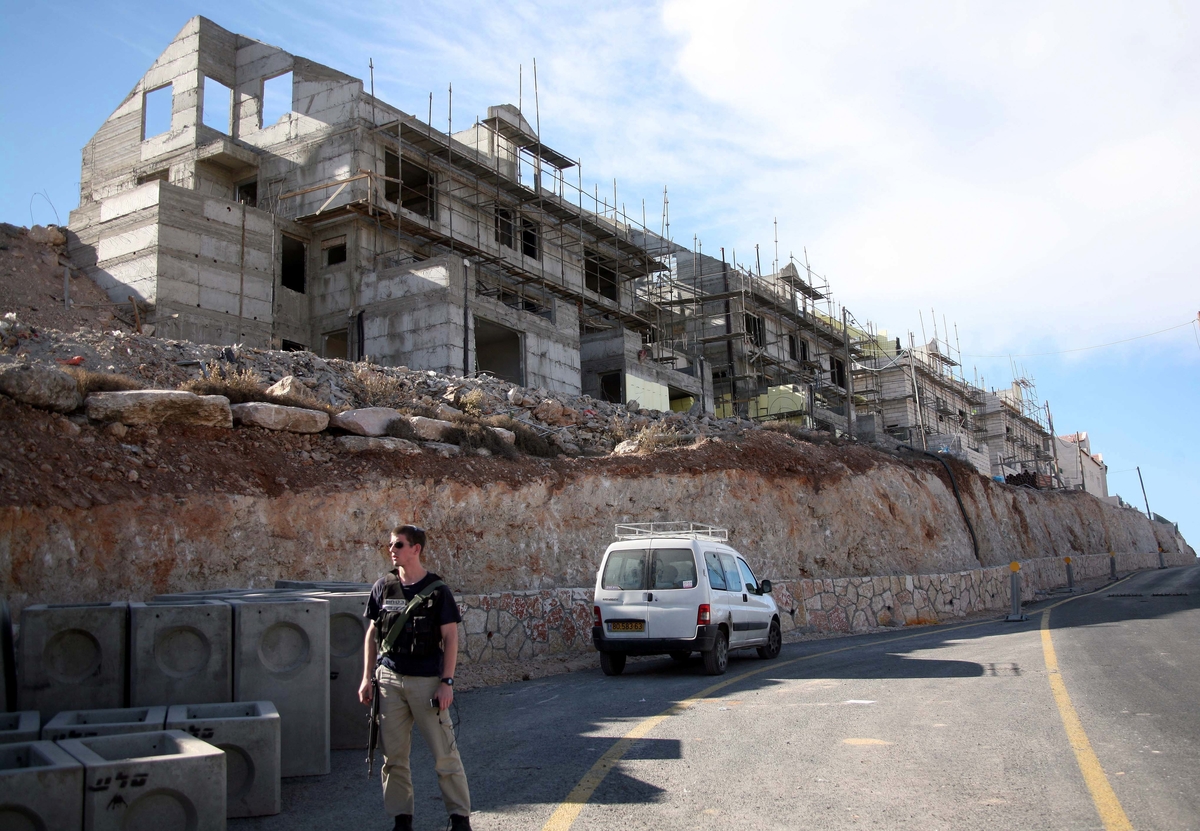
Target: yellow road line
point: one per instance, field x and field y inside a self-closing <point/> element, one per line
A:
<point x="1107" y="806"/>
<point x="567" y="812"/>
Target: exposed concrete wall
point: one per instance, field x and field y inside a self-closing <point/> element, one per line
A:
<point x="619" y="350"/>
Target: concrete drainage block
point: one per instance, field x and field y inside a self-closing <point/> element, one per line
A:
<point x="25" y="726"/>
<point x="157" y="780"/>
<point x="180" y="650"/>
<point x="248" y="732"/>
<point x="71" y="657"/>
<point x="41" y="786"/>
<point x="83" y="724"/>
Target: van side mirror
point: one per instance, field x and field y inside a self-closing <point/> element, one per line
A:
<point x="764" y="587"/>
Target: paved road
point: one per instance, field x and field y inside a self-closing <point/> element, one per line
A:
<point x="950" y="727"/>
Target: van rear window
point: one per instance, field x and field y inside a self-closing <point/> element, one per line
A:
<point x="624" y="571"/>
<point x="674" y="568"/>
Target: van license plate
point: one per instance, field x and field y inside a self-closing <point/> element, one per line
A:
<point x="627" y="626"/>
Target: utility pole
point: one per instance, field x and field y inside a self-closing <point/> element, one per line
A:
<point x="1143" y="483"/>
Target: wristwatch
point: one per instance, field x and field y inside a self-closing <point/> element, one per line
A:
<point x="449" y="682"/>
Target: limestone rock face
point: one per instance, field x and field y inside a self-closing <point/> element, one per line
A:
<point x="47" y="235"/>
<point x="279" y="417"/>
<point x="159" y="407"/>
<point x="40" y="386"/>
<point x="431" y="429"/>
<point x="292" y="387"/>
<point x="363" y="444"/>
<point x="366" y="421"/>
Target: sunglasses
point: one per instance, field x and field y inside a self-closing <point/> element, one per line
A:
<point x="397" y="544"/>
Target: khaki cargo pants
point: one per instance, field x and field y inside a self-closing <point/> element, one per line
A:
<point x="403" y="700"/>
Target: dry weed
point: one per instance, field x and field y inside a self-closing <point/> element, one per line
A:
<point x="90" y="381"/>
<point x="371" y="388"/>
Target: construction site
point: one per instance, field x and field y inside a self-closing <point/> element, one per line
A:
<point x="344" y="226"/>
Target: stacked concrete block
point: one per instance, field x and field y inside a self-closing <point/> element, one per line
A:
<point x="8" y="660"/>
<point x="157" y="780"/>
<point x="72" y="657"/>
<point x="281" y="654"/>
<point x="20" y="727"/>
<point x="180" y="652"/>
<point x="248" y="732"/>
<point x="83" y="724"/>
<point x="347" y="631"/>
<point x="41" y="787"/>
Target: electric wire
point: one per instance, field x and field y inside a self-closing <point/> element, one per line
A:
<point x="1085" y="348"/>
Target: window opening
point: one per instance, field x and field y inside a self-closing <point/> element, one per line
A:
<point x="599" y="277"/>
<point x="837" y="372"/>
<point x="337" y="344"/>
<point x="498" y="351"/>
<point x="217" y="106"/>
<point x="793" y="348"/>
<point x="804" y="351"/>
<point x="156" y="111"/>
<point x="292" y="276"/>
<point x="391" y="172"/>
<point x="755" y="329"/>
<point x="530" y="242"/>
<point x="156" y="176"/>
<point x="247" y="194"/>
<point x="335" y="254"/>
<point x="610" y="387"/>
<point x="504" y="227"/>
<point x="292" y="346"/>
<point x="417" y="192"/>
<point x="277" y="99"/>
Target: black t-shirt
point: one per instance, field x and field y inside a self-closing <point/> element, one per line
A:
<point x="445" y="610"/>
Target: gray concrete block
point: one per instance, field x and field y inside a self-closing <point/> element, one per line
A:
<point x="8" y="660"/>
<point x="41" y="787"/>
<point x="162" y="780"/>
<point x="248" y="732"/>
<point x="71" y="657"/>
<point x="347" y="630"/>
<point x="180" y="652"/>
<point x="281" y="654"/>
<point x="83" y="724"/>
<point x="25" y="726"/>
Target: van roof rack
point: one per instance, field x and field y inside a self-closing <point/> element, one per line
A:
<point x="678" y="530"/>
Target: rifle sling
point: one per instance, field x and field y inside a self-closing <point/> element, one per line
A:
<point x="402" y="619"/>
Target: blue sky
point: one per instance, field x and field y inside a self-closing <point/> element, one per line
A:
<point x="1029" y="171"/>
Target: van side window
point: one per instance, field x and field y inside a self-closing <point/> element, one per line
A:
<point x="732" y="579"/>
<point x="625" y="571"/>
<point x="716" y="575"/>
<point x="674" y="568"/>
<point x="747" y="576"/>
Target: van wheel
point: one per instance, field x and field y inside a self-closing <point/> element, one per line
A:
<point x="774" y="642"/>
<point x="681" y="656"/>
<point x="613" y="663"/>
<point x="716" y="660"/>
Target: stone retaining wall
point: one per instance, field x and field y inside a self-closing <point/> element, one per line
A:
<point x="558" y="622"/>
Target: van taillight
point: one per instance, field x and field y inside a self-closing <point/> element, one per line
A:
<point x="703" y="615"/>
<point x="596" y="614"/>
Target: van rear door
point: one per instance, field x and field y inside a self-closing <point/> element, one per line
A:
<point x="675" y="593"/>
<point x="621" y="594"/>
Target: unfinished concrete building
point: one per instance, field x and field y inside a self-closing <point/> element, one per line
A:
<point x="1079" y="467"/>
<point x="921" y="399"/>
<point x="1016" y="433"/>
<point x="342" y="225"/>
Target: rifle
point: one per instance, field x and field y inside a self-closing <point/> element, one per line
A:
<point x="373" y="735"/>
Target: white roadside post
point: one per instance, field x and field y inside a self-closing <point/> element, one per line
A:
<point x="1015" y="591"/>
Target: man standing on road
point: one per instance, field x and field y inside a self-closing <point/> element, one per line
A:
<point x="412" y="647"/>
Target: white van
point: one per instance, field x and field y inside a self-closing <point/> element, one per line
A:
<point x="674" y="588"/>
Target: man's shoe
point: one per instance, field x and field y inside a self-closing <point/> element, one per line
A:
<point x="459" y="823"/>
<point x="403" y="823"/>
